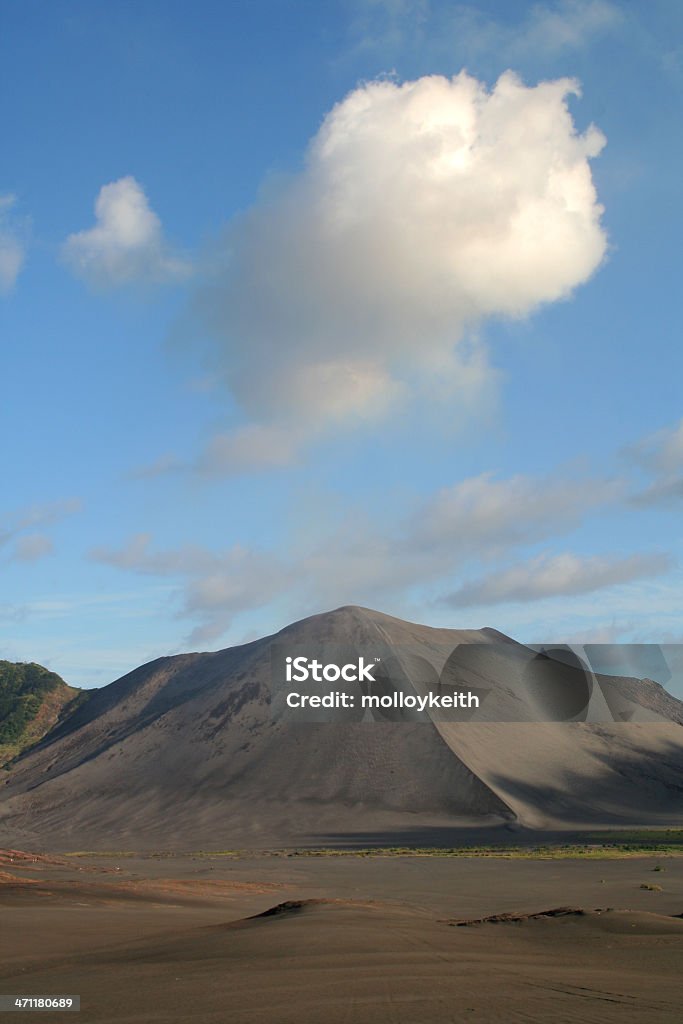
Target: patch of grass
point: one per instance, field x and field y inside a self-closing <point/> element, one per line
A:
<point x="636" y="837"/>
<point x="506" y="853"/>
<point x="122" y="854"/>
<point x="612" y="846"/>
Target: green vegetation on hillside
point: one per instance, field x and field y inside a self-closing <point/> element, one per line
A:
<point x="32" y="701"/>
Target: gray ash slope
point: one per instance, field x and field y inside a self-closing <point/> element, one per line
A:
<point x="187" y="752"/>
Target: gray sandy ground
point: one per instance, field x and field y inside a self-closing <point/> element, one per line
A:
<point x="176" y="939"/>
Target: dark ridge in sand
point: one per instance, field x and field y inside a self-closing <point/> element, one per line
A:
<point x="190" y="751"/>
<point x="510" y="918"/>
<point x="288" y="907"/>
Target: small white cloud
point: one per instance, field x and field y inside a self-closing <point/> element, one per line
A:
<point x="126" y="244"/>
<point x="12" y="246"/>
<point x="560" y="575"/>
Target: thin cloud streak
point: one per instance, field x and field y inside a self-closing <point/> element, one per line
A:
<point x="557" y="576"/>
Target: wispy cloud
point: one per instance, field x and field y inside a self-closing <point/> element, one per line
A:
<point x="126" y="245"/>
<point x="32" y="547"/>
<point x="19" y="528"/>
<point x="557" y="576"/>
<point x="12" y="245"/>
<point x="567" y="25"/>
<point x="393" y="28"/>
<point x="478" y="518"/>
<point x="160" y="467"/>
<point x="660" y="456"/>
<point x="497" y="514"/>
<point x="219" y="584"/>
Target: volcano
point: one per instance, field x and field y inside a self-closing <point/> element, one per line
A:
<point x="199" y="751"/>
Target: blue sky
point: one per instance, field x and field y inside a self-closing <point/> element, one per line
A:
<point x="303" y="304"/>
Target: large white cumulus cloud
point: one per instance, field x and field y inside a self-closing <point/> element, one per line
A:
<point x="423" y="209"/>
